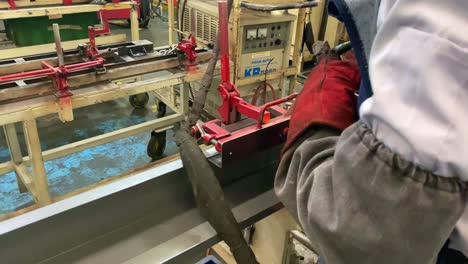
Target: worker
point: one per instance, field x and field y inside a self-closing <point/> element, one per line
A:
<point x="381" y="177"/>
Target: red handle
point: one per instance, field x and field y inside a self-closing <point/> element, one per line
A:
<point x="264" y="107"/>
<point x="223" y="32"/>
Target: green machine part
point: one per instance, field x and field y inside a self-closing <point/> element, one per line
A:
<point x="38" y="30"/>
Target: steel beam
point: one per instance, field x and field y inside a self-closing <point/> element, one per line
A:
<point x="149" y="217"/>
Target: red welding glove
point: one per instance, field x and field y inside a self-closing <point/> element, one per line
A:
<point x="328" y="97"/>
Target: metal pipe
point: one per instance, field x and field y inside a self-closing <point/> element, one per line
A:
<point x="343" y="48"/>
<point x="58" y="44"/>
<point x="270" y="104"/>
<point x="273" y="7"/>
<point x="301" y="237"/>
<point x="224" y="40"/>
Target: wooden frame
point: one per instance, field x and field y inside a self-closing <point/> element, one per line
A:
<point x="48" y="11"/>
<point x="29" y="3"/>
<point x="29" y="110"/>
<point x="52" y="11"/>
<point x="50" y="47"/>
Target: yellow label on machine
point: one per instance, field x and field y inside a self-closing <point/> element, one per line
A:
<point x="261" y="54"/>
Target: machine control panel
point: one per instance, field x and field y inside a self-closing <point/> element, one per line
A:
<point x="265" y="37"/>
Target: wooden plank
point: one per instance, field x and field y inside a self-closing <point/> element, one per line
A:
<point x="34" y="108"/>
<point x="157" y="124"/>
<point x="170" y="20"/>
<point x="67" y="45"/>
<point x="119" y="6"/>
<point x="165" y="96"/>
<point x="184" y="99"/>
<point x="28" y="3"/>
<point x="315" y="18"/>
<point x="15" y="152"/>
<point x="6" y="167"/>
<point x="332" y="32"/>
<point x="270" y="236"/>
<point x="223" y="251"/>
<point x="92" y="78"/>
<point x="65" y="109"/>
<point x="134" y="25"/>
<point x="39" y="176"/>
<point x="297" y="48"/>
<point x="13" y="143"/>
<point x="26" y="179"/>
<point x="48" y="11"/>
<point x="112" y="136"/>
<point x="234" y="37"/>
<point x="4" y="5"/>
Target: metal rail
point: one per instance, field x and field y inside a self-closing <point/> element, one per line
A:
<point x="132" y="67"/>
<point x="148" y="217"/>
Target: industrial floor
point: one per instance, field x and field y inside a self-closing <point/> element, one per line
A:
<point x="93" y="165"/>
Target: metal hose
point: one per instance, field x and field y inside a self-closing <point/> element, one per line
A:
<point x="209" y="197"/>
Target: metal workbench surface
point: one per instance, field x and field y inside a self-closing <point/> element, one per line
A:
<point x="149" y="217"/>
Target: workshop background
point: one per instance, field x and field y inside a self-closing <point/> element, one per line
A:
<point x="81" y="171"/>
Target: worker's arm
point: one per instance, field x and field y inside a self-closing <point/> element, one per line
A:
<point x="362" y="200"/>
<point x="361" y="203"/>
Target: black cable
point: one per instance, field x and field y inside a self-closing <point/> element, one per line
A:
<point x="181" y="15"/>
<point x="191" y="91"/>
<point x="308" y="35"/>
<point x="156" y="11"/>
<point x="264" y="82"/>
<point x="179" y="36"/>
<point x="266" y="68"/>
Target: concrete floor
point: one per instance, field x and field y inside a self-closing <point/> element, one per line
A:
<point x="90" y="166"/>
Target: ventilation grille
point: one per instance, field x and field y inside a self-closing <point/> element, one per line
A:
<point x="206" y="26"/>
<point x="187" y="19"/>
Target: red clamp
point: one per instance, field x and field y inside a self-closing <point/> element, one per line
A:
<point x="60" y="79"/>
<point x="188" y="46"/>
<point x="12" y="4"/>
<point x="268" y="121"/>
<point x="60" y="73"/>
<point x="91" y="50"/>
